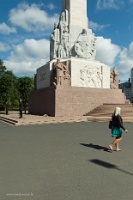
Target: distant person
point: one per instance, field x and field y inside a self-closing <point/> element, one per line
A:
<point x="6" y="108"/>
<point x="117" y="127"/>
<point x="20" y="109"/>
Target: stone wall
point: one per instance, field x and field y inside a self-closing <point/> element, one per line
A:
<point x="71" y="101"/>
<point x="42" y="102"/>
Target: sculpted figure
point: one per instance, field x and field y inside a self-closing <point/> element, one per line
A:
<point x="115" y="73"/>
<point x="60" y="72"/>
<point x="67" y="72"/>
<point x="60" y="50"/>
<point x="63" y="22"/>
<point x="78" y="50"/>
<point x="114" y="82"/>
<point x="83" y="77"/>
<point x="54" y="41"/>
<point x="81" y="46"/>
<point x="83" y="40"/>
<point x="92" y="77"/>
<point x="59" y="43"/>
<point x="65" y="43"/>
<point x="64" y="33"/>
<point x="99" y="79"/>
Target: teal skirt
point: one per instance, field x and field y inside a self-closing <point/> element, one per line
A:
<point x="116" y="132"/>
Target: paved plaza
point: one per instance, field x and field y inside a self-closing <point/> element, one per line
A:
<point x="64" y="161"/>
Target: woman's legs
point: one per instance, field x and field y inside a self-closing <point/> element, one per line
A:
<point x="116" y="143"/>
<point x="117" y="146"/>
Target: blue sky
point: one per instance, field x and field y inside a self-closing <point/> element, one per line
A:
<point x="26" y="26"/>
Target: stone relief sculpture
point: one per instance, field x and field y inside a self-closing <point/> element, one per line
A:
<point x="81" y="46"/>
<point x="63" y="22"/>
<point x="99" y="79"/>
<point x="114" y="82"/>
<point x="59" y="41"/>
<point x="84" y="46"/>
<point x="64" y="45"/>
<point x="77" y="50"/>
<point x="93" y="47"/>
<point x="91" y="77"/>
<point x="61" y="73"/>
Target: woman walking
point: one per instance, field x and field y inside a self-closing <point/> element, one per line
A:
<point x="117" y="127"/>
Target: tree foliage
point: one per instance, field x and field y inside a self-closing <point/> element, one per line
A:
<point x="2" y="68"/>
<point x="7" y="80"/>
<point x="12" y="88"/>
<point x="25" y="85"/>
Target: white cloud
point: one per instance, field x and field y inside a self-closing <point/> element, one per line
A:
<point x="110" y="4"/>
<point x="24" y="68"/>
<point x="94" y="26"/>
<point x="32" y="18"/>
<point x="113" y="55"/>
<point x="126" y="59"/>
<point x="27" y="57"/>
<point x="106" y="51"/>
<point x="4" y="47"/>
<point x="31" y="49"/>
<point x="4" y="29"/>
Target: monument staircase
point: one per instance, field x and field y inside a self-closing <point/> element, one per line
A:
<point x="102" y="113"/>
<point x="105" y="111"/>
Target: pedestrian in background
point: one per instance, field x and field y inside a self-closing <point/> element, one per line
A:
<point x="20" y="108"/>
<point x="117" y="129"/>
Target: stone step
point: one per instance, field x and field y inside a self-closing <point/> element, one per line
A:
<point x="8" y="120"/>
<point x="108" y="109"/>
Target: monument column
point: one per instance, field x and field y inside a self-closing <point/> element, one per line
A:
<point x="69" y="84"/>
<point x="77" y="10"/>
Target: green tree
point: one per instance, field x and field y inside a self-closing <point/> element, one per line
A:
<point x="25" y="86"/>
<point x="8" y="90"/>
<point x="12" y="88"/>
<point x="2" y="68"/>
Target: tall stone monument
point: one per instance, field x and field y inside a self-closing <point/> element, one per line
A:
<point x="72" y="40"/>
<point x="72" y="68"/>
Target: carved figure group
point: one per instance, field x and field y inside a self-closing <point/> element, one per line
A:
<point x="114" y="82"/>
<point x="91" y="77"/>
<point x="81" y="46"/>
<point x="63" y="45"/>
<point x="59" y="41"/>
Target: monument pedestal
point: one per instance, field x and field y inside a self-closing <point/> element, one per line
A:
<point x="71" y="101"/>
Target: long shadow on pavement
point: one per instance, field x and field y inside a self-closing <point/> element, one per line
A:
<point x="109" y="165"/>
<point x="95" y="146"/>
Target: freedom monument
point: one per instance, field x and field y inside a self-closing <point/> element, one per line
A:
<point x="73" y="82"/>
